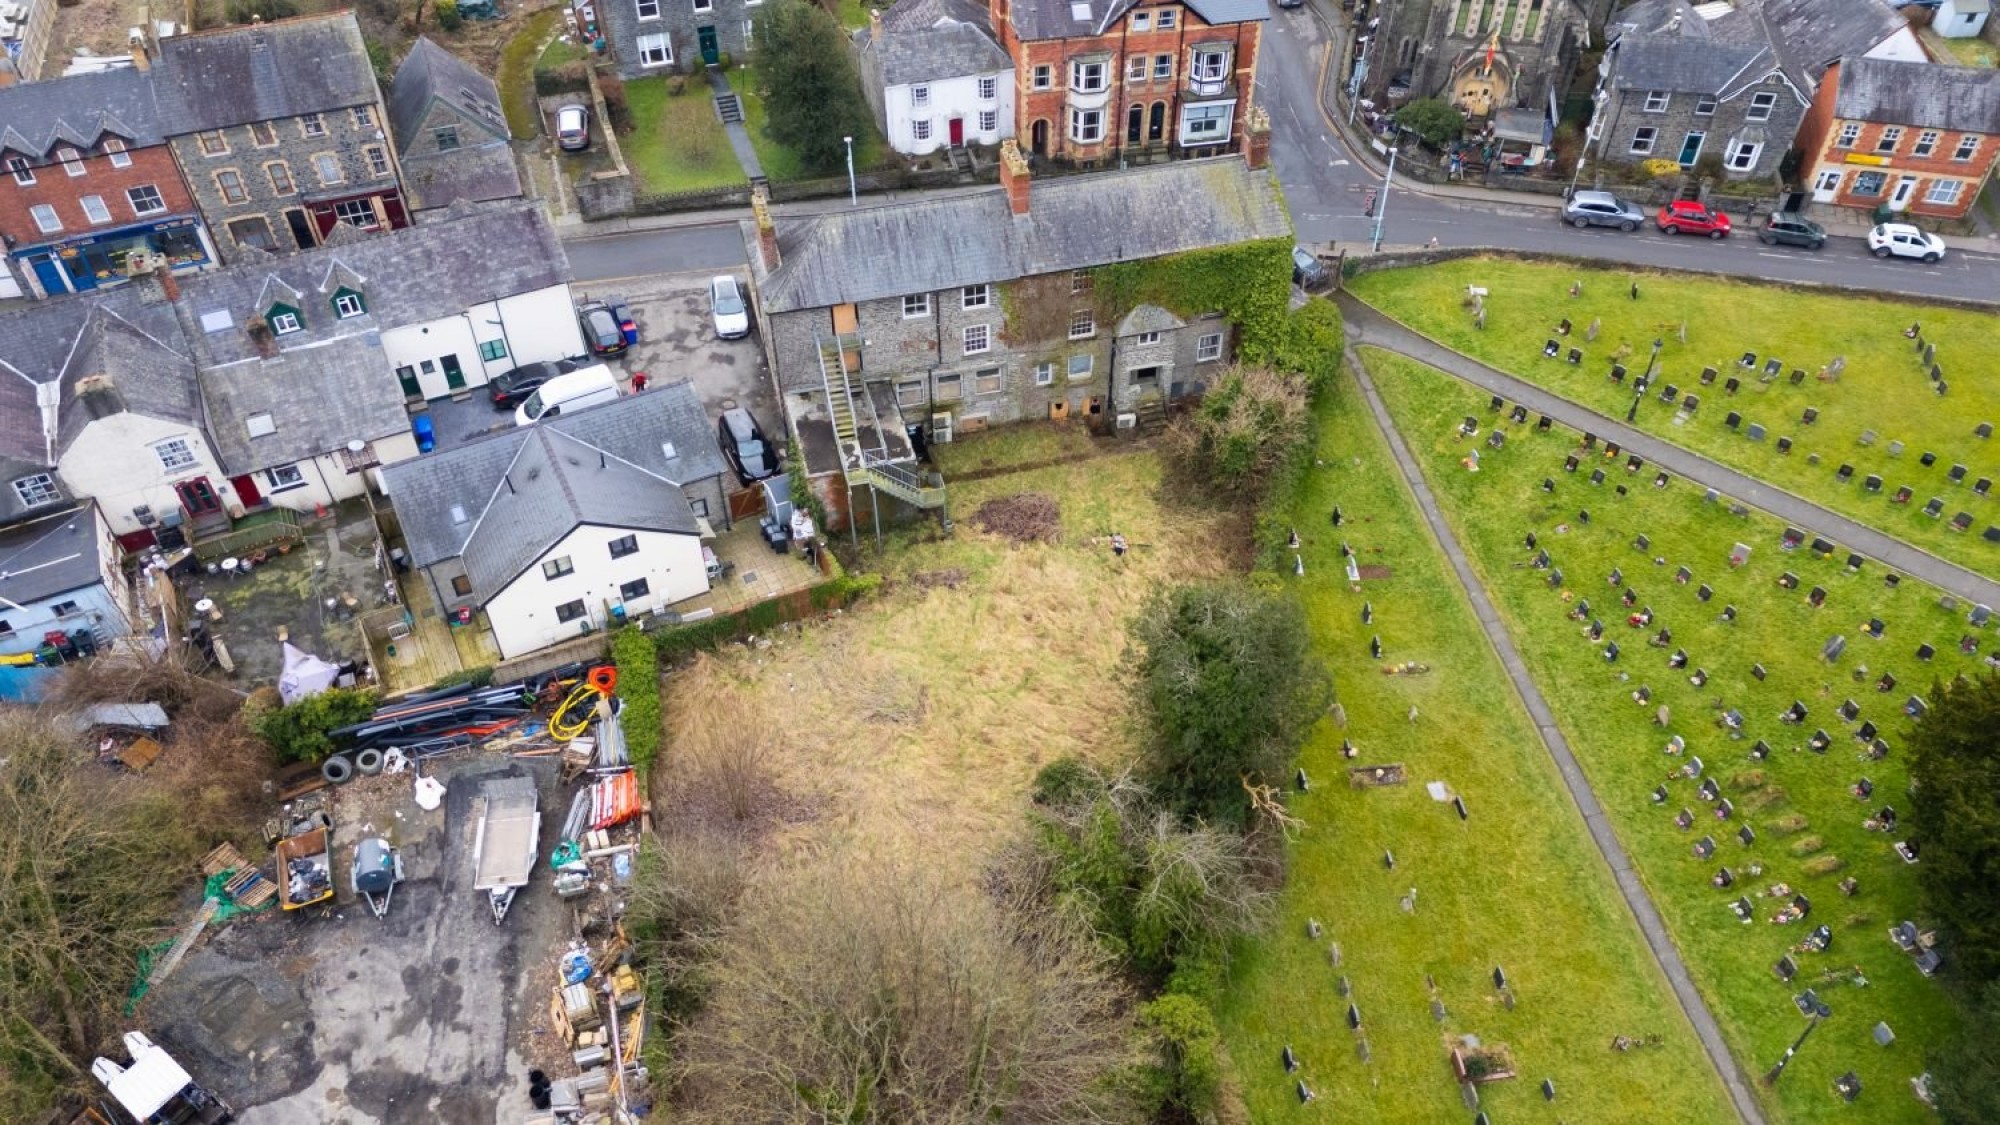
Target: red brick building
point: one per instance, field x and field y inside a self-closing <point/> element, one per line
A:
<point x="1097" y="79"/>
<point x="87" y="179"/>
<point x="1918" y="138"/>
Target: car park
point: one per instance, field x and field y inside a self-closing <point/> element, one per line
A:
<point x="744" y="444"/>
<point x="509" y="388"/>
<point x="1692" y="217"/>
<point x="601" y="329"/>
<point x="1788" y="229"/>
<point x="726" y="308"/>
<point x="1901" y="240"/>
<point x="573" y="127"/>
<point x="1601" y="209"/>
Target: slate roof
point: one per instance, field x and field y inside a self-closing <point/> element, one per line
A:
<point x="39" y="343"/>
<point x="37" y="116"/>
<point x="1058" y="19"/>
<point x="50" y="555"/>
<point x="319" y="398"/>
<point x="1812" y="34"/>
<point x="1073" y="222"/>
<point x="118" y="368"/>
<point x="424" y="272"/>
<point x="473" y="174"/>
<point x="263" y="72"/>
<point x="1924" y="95"/>
<point x="1148" y="318"/>
<point x="635" y="429"/>
<point x="932" y="40"/>
<point x="431" y="72"/>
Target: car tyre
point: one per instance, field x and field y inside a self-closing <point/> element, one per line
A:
<point x="1715" y="234"/>
<point x="1667" y="228"/>
<point x="1931" y="257"/>
<point x="1770" y="240"/>
<point x="1580" y="222"/>
<point x="1628" y="226"/>
<point x="1820" y="245"/>
<point x="1882" y="251"/>
<point x="338" y="769"/>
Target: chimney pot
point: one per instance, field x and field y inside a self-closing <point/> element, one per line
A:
<point x="1014" y="176"/>
<point x="875" y="25"/>
<point x="767" y="231"/>
<point x="1257" y="146"/>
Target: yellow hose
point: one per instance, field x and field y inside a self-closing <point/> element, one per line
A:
<point x="565" y="729"/>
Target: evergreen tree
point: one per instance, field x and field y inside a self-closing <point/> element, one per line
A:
<point x="1955" y="820"/>
<point x="812" y="95"/>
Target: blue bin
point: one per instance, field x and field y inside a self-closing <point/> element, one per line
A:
<point x="425" y="431"/>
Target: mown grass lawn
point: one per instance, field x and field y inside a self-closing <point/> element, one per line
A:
<point x="677" y="142"/>
<point x="1882" y="389"/>
<point x="1519" y="885"/>
<point x="780" y="162"/>
<point x="1796" y="801"/>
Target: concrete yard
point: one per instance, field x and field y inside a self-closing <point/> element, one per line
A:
<point x="677" y="341"/>
<point x="341" y="1017"/>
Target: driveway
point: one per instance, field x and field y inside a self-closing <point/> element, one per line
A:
<point x="676" y="341"/>
<point x="419" y="1016"/>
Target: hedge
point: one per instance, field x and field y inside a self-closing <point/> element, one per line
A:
<point x="701" y="636"/>
<point x="639" y="687"/>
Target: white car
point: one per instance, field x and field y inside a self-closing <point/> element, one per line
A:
<point x="1901" y="240"/>
<point x="726" y="308"/>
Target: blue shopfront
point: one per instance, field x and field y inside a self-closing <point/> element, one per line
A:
<point x="92" y="261"/>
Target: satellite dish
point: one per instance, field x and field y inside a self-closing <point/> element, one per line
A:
<point x="356" y="446"/>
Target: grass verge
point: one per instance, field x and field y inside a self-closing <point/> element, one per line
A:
<point x="780" y="162"/>
<point x="1787" y="798"/>
<point x="1518" y="885"/>
<point x="517" y="72"/>
<point x="1883" y="388"/>
<point x="677" y="142"/>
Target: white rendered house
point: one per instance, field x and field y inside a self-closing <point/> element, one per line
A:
<point x="936" y="76"/>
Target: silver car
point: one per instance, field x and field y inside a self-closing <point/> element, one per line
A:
<point x="726" y="308"/>
<point x="1601" y="209"/>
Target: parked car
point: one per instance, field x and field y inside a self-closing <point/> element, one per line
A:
<point x="568" y="392"/>
<point x="573" y="127"/>
<point x="1901" y="240"/>
<point x="509" y="389"/>
<point x="1601" y="209"/>
<point x="744" y="443"/>
<point x="1291" y="3"/>
<point x="1307" y="270"/>
<point x="1692" y="217"/>
<point x="1788" y="229"/>
<point x="600" y="329"/>
<point x="726" y="308"/>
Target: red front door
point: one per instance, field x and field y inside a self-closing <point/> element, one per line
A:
<point x="246" y="490"/>
<point x="958" y="130"/>
<point x="198" y="497"/>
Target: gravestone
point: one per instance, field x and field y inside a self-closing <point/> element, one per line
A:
<point x="1760" y="751"/>
<point x="1703" y="593"/>
<point x="1519" y="414"/>
<point x="1773" y="366"/>
<point x="1747" y="836"/>
<point x="1732" y="385"/>
<point x="1388" y="859"/>
<point x="1757" y="671"/>
<point x="1980" y="615"/>
<point x="1816" y="597"/>
<point x="1925" y="652"/>
<point x="1822" y="546"/>
<point x="1875" y="627"/>
<point x="1895" y="449"/>
<point x="1684" y="820"/>
<point x="1437" y="1010"/>
<point x="1886" y="684"/>
<point x="1784" y="445"/>
<point x="1983" y="430"/>
<point x="1634" y="463"/>
<point x="1982" y="486"/>
<point x="1754" y="432"/>
<point x="1690" y="404"/>
<point x="1882" y="1035"/>
<point x="1499" y="977"/>
<point x="1961" y="521"/>
<point x="1956" y="475"/>
<point x="1786" y="969"/>
<point x="1575" y="356"/>
<point x="1798" y="376"/>
<point x="1305" y="1092"/>
<point x="1708" y="376"/>
<point x="1927" y="460"/>
<point x="1548" y="1090"/>
<point x="1683" y="575"/>
<point x="1749" y="360"/>
<point x="1850" y="710"/>
<point x="1610" y="449"/>
<point x="1495" y="403"/>
<point x="1844" y="473"/>
<point x="1589" y="441"/>
<point x="1642" y="543"/>
<point x="1617" y="372"/>
<point x="1570" y="463"/>
<point x="1597" y="476"/>
<point x="1545" y="423"/>
<point x="1704" y="847"/>
<point x="1551" y="349"/>
<point x="1563" y="328"/>
<point x="1788" y="580"/>
<point x="1935" y="508"/>
<point x="1640" y="384"/>
<point x="1866" y="732"/>
<point x="1660" y="795"/>
<point x="1496" y="440"/>
<point x="1353" y="1017"/>
<point x="1872" y="483"/>
<point x="1810" y="416"/>
<point x="1290" y="1060"/>
<point x="1459" y="804"/>
<point x="1660" y="480"/>
<point x="1669" y="393"/>
<point x="1548" y="484"/>
<point x="1903" y="495"/>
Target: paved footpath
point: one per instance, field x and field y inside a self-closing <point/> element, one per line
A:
<point x="1636" y="897"/>
<point x="1367" y="326"/>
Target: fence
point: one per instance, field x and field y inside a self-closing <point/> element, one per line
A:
<point x="278" y="526"/>
<point x="589" y="648"/>
<point x="604" y="202"/>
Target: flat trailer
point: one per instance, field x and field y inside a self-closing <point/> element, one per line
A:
<point x="305" y="869"/>
<point x="155" y="1090"/>
<point x="504" y="846"/>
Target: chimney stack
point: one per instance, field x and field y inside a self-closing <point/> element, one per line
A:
<point x="1257" y="149"/>
<point x="767" y="232"/>
<point x="168" y="284"/>
<point x="135" y="41"/>
<point x="1014" y="176"/>
<point x="874" y="25"/>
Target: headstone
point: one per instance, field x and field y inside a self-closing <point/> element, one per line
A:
<point x="1551" y="349"/>
<point x="1754" y="432"/>
<point x="1749" y="360"/>
<point x="1928" y="459"/>
<point x="1704" y="847"/>
<point x="1983" y="430"/>
<point x="1353" y="1017"/>
<point x="1925" y="652"/>
<point x="1590" y="441"/>
<point x="1545" y="423"/>
<point x="1642" y="543"/>
<point x="1290" y="1060"/>
<point x="1822" y="546"/>
<point x="1610" y="450"/>
<point x="1961" y="521"/>
<point x="1459" y="804"/>
<point x="1810" y="416"/>
<point x="1786" y="969"/>
<point x="1640" y="384"/>
<point x="1563" y="328"/>
<point x="1956" y="475"/>
<point x="1816" y="597"/>
<point x="1773" y="366"/>
<point x="1597" y="476"/>
<point x="1732" y="384"/>
<point x="1499" y="977"/>
<point x="1895" y="449"/>
<point x="1798" y="376"/>
<point x="1703" y="593"/>
<point x="1634" y="463"/>
<point x="1437" y="1010"/>
<point x="1760" y="751"/>
<point x="1548" y="1090"/>
<point x="1747" y="836"/>
<point x="1707" y="376"/>
<point x="1683" y="575"/>
<point x="1659" y="480"/>
<point x="1305" y="1092"/>
<point x="1757" y="671"/>
<point x="1495" y="403"/>
<point x="1519" y="414"/>
<point x="1980" y="615"/>
<point x="1844" y="473"/>
<point x="1784" y="445"/>
<point x="1575" y="356"/>
<point x="1788" y="580"/>
<point x="1570" y="463"/>
<point x="1882" y="1035"/>
<point x="1834" y="647"/>
<point x="1872" y="483"/>
<point x="1660" y="795"/>
<point x="1935" y="508"/>
<point x="1903" y="495"/>
<point x="1496" y="440"/>
<point x="1669" y="393"/>
<point x="1982" y="486"/>
<point x="1684" y="820"/>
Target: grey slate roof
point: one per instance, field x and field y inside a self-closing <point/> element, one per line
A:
<point x="37" y="116"/>
<point x="932" y="40"/>
<point x="480" y="174"/>
<point x="1148" y="318"/>
<point x="1057" y="19"/>
<point x="263" y="72"/>
<point x="319" y="399"/>
<point x="431" y="72"/>
<point x="117" y="368"/>
<point x="1811" y="34"/>
<point x="1073" y="222"/>
<point x="1687" y="63"/>
<point x="51" y="555"/>
<point x="635" y="429"/>
<point x="1924" y="95"/>
<point x="427" y="271"/>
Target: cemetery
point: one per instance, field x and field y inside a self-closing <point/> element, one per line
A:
<point x="1447" y="926"/>
<point x="1880" y="410"/>
<point x="1744" y="742"/>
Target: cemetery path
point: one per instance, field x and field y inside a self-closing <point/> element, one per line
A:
<point x="1365" y="325"/>
<point x="1665" y="953"/>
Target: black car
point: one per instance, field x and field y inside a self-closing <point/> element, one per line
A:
<point x="744" y="443"/>
<point x="1791" y="230"/>
<point x="509" y="390"/>
<point x="601" y="329"/>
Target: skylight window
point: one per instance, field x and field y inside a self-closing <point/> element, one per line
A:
<point x="1080" y="11"/>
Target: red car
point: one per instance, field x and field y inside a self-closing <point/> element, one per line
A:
<point x="1687" y="215"/>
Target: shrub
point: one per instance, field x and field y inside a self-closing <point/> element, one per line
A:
<point x="1433" y="120"/>
<point x="1189" y="1070"/>
<point x="302" y="732"/>
<point x="639" y="688"/>
<point x="1660" y="169"/>
<point x="1242" y="431"/>
<point x="812" y="94"/>
<point x="447" y="14"/>
<point x="612" y="89"/>
<point x="1065" y="782"/>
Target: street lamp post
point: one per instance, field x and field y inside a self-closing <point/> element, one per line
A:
<point x="1653" y="364"/>
<point x="1382" y="206"/>
<point x="853" y="196"/>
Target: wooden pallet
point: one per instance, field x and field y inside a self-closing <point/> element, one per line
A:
<point x="225" y="857"/>
<point x="250" y="889"/>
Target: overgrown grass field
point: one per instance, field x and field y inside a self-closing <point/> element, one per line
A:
<point x="1809" y="828"/>
<point x="1883" y="388"/>
<point x="1518" y="885"/>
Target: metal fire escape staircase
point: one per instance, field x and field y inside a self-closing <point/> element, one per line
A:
<point x="851" y="408"/>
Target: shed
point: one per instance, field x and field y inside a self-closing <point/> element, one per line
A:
<point x="1961" y="19"/>
<point x="1523" y="135"/>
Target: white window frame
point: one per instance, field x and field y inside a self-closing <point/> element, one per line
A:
<point x="1208" y="347"/>
<point x="1849" y="135"/>
<point x="646" y="9"/>
<point x="1208" y="64"/>
<point x="1762" y="104"/>
<point x="71" y="160"/>
<point x="284" y="324"/>
<point x="1042" y="78"/>
<point x="1078" y="372"/>
<point x="1166" y="20"/>
<point x="1086" y="126"/>
<point x="978" y="339"/>
<point x="655" y="50"/>
<point x="976" y="297"/>
<point x="115" y="150"/>
<point x="1927" y="142"/>
<point x="1657" y="101"/>
<point x="46" y="219"/>
<point x="1082" y="324"/>
<point x="1142" y="21"/>
<point x="1968" y="147"/>
<point x="242" y="192"/>
<point x="703" y="7"/>
<point x="989" y="87"/>
<point x="916" y="305"/>
<point x="357" y="213"/>
<point x="346" y="305"/>
<point x="339" y="175"/>
<point x="1163" y="68"/>
<point x="1136" y="68"/>
<point x="920" y="129"/>
<point x="1145" y="338"/>
<point x="910" y="392"/>
<point x="1088" y="76"/>
<point x="989" y="120"/>
<point x="1936" y="194"/>
<point x="1221" y="115"/>
<point x="94" y="209"/>
<point x="377" y="157"/>
<point x="1700" y="138"/>
<point x="175" y="454"/>
<point x="37" y="489"/>
<point x="24" y="173"/>
<point x="363" y="116"/>
<point x="1704" y="106"/>
<point x="1892" y="136"/>
<point x="560" y="567"/>
<point x="284" y="478"/>
<point x="159" y="200"/>
<point x="311" y="125"/>
<point x="1743" y="156"/>
<point x="920" y="94"/>
<point x="1045" y="373"/>
<point x="1644" y="139"/>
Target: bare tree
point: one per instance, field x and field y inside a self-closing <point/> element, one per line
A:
<point x="850" y="993"/>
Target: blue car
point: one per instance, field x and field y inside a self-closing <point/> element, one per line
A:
<point x="425" y="431"/>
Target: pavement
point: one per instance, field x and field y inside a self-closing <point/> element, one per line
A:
<point x="1637" y="899"/>
<point x="1366" y="325"/>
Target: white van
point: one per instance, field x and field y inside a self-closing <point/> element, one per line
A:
<point x="571" y="391"/>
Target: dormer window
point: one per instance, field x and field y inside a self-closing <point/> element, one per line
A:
<point x="1142" y="21"/>
<point x="284" y="320"/>
<point x="23" y="174"/>
<point x="115" y="149"/>
<point x="1166" y="19"/>
<point x="72" y="161"/>
<point x="348" y="303"/>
